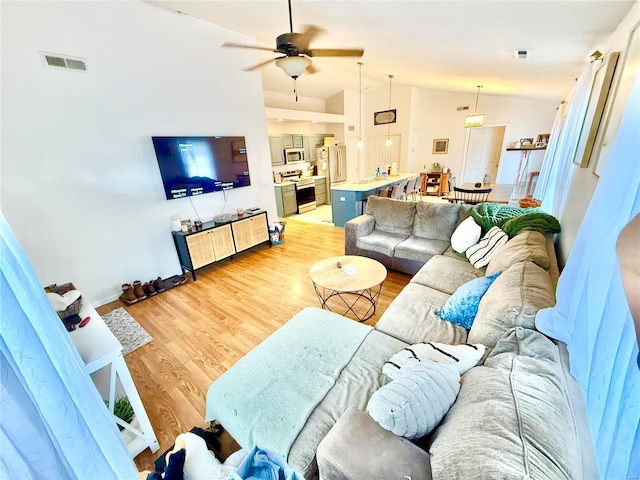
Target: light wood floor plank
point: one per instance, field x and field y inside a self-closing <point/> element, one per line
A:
<point x="202" y="328"/>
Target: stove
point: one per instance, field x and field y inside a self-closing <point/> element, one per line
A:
<point x="305" y="190"/>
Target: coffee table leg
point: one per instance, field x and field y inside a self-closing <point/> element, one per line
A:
<point x="371" y="295"/>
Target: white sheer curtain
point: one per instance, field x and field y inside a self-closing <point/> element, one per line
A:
<point x="556" y="172"/>
<point x="592" y="315"/>
<point x="54" y="423"/>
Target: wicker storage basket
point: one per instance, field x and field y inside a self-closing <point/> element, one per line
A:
<point x="73" y="308"/>
<point x="530" y="202"/>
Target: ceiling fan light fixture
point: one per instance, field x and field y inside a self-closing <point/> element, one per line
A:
<point x="293" y="66"/>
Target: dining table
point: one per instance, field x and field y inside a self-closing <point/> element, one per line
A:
<point x="500" y="192"/>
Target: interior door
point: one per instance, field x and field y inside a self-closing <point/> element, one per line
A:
<point x="380" y="155"/>
<point x="483" y="154"/>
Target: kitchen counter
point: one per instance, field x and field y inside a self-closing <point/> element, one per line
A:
<point x="347" y="199"/>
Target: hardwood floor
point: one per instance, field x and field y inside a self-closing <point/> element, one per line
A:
<point x="202" y="328"/>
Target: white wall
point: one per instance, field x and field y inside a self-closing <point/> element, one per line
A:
<point x="583" y="181"/>
<point x="80" y="182"/>
<point x="434" y="115"/>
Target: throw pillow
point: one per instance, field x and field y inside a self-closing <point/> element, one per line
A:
<point x="467" y="234"/>
<point x="480" y="253"/>
<point x="415" y="402"/>
<point x="461" y="307"/>
<point x="463" y="357"/>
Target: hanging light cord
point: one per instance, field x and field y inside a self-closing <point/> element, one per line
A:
<point x="477" y="96"/>
<point x="360" y="102"/>
<point x="389" y="124"/>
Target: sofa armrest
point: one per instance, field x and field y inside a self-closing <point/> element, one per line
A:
<point x="358" y="448"/>
<point x="355" y="228"/>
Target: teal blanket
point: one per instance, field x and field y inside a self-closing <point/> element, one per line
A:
<point x="267" y="396"/>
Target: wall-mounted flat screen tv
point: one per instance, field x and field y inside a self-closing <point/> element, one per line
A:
<point x="192" y="166"/>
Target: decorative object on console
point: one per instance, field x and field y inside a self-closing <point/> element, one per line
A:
<point x="480" y="253"/>
<point x="414" y="403"/>
<point x="526" y="142"/>
<point x="461" y="307"/>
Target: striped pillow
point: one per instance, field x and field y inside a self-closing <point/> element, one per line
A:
<point x="480" y="253"/>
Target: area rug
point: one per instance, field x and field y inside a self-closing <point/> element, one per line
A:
<point x="128" y="332"/>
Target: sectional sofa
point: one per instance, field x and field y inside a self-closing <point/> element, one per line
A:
<point x="518" y="414"/>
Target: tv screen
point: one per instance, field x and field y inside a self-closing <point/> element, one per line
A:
<point x="192" y="166"/>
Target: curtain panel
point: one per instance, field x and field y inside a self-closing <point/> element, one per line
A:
<point x="54" y="423"/>
<point x="592" y="315"/>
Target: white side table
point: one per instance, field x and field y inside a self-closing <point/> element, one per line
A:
<point x="99" y="348"/>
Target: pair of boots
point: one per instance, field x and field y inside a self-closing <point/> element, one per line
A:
<point x="136" y="292"/>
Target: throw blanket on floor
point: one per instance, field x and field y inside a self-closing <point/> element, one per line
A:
<point x="267" y="396"/>
<point x="513" y="219"/>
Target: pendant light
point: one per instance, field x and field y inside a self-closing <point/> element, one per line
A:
<point x="388" y="142"/>
<point x="477" y="119"/>
<point x="360" y="142"/>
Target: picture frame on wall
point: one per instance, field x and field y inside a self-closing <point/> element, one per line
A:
<point x="384" y="117"/>
<point x="595" y="108"/>
<point x="440" y="145"/>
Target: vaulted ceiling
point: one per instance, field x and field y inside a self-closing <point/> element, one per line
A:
<point x="445" y="45"/>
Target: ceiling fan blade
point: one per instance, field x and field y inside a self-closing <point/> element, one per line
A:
<point x="311" y="69"/>
<point x="310" y="32"/>
<point x="261" y="64"/>
<point x="335" y="52"/>
<point x="254" y="47"/>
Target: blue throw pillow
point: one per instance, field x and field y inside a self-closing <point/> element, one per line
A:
<point x="461" y="307"/>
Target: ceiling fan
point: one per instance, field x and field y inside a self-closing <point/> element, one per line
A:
<point x="295" y="48"/>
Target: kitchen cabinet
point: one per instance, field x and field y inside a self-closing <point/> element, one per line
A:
<point x="216" y="241"/>
<point x="277" y="149"/>
<point x="286" y="199"/>
<point x="321" y="191"/>
<point x="287" y="140"/>
<point x="309" y="142"/>
<point x="297" y="140"/>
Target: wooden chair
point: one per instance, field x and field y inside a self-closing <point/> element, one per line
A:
<point x="471" y="197"/>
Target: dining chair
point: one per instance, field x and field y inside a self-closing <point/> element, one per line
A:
<point x="452" y="183"/>
<point x="412" y="188"/>
<point x="383" y="192"/>
<point x="471" y="197"/>
<point x="397" y="191"/>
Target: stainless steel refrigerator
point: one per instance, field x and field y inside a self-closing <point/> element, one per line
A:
<point x="332" y="163"/>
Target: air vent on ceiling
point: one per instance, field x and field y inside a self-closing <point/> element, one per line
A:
<point x="352" y="128"/>
<point x="57" y="60"/>
<point x="522" y="54"/>
<point x="466" y="107"/>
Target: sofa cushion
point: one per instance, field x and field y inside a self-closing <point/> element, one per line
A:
<point x="466" y="234"/>
<point x="381" y="242"/>
<point x="480" y="253"/>
<point x="511" y="419"/>
<point x="435" y="220"/>
<point x="420" y="249"/>
<point x="392" y="216"/>
<point x="446" y="273"/>
<point x="512" y="301"/>
<point x="411" y="317"/>
<point x="461" y="308"/>
<point x="415" y="402"/>
<point x="526" y="246"/>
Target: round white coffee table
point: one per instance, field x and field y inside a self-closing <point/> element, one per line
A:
<point x="352" y="283"/>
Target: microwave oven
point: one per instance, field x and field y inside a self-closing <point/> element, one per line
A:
<point x="293" y="155"/>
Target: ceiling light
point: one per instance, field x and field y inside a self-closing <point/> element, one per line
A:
<point x="477" y="119"/>
<point x="280" y="120"/>
<point x="360" y="143"/>
<point x="293" y="66"/>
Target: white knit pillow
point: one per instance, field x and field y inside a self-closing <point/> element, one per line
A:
<point x="415" y="402"/>
<point x="480" y="253"/>
<point x="463" y="356"/>
<point x="468" y="233"/>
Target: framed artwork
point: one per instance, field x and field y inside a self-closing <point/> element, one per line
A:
<point x="441" y="145"/>
<point x="595" y="108"/>
<point x="615" y="107"/>
<point x="384" y="117"/>
<point x="543" y="138"/>
<point x="526" y="142"/>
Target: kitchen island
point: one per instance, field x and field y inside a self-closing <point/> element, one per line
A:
<point x="347" y="199"/>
